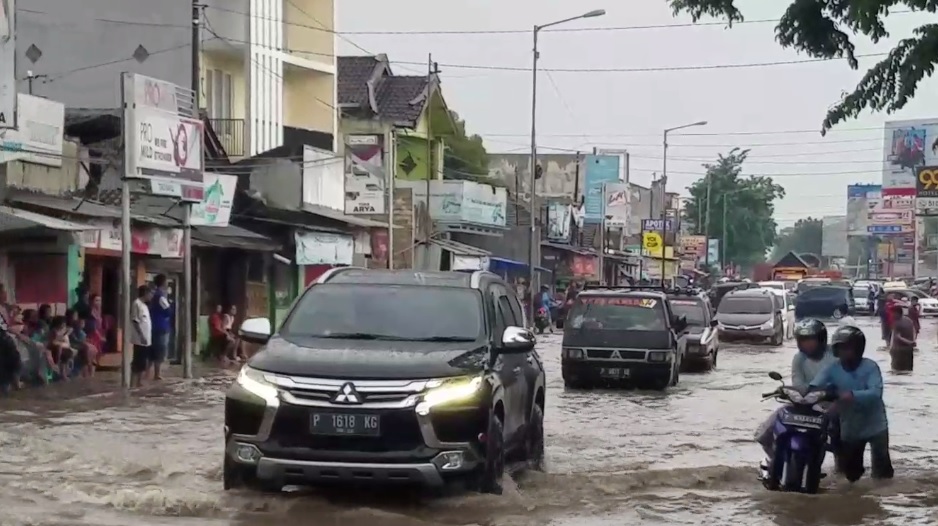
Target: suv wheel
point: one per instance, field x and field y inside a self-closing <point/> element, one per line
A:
<point x="676" y="372"/>
<point x="535" y="445"/>
<point x="490" y="479"/>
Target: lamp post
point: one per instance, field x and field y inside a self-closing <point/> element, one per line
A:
<point x="664" y="194"/>
<point x="532" y="249"/>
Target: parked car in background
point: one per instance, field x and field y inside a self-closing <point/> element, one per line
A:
<point x="750" y="315"/>
<point x="703" y="344"/>
<point x="807" y="283"/>
<point x="784" y="304"/>
<point x="824" y="301"/>
<point x="928" y="304"/>
<point x="719" y="290"/>
<point x="864" y="300"/>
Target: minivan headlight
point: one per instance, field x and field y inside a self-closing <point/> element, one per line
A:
<point x="448" y="392"/>
<point x="768" y="325"/>
<point x="255" y="382"/>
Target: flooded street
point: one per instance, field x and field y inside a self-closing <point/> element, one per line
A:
<point x="614" y="457"/>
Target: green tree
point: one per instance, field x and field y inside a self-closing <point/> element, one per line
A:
<point x="823" y="29"/>
<point x="748" y="202"/>
<point x="805" y="236"/>
<point x="466" y="157"/>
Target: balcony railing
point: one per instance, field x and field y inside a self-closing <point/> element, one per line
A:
<point x="231" y="134"/>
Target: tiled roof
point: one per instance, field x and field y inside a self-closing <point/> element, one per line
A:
<point x="354" y="73"/>
<point x="395" y="96"/>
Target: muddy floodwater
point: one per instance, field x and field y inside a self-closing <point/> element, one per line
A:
<point x="614" y="458"/>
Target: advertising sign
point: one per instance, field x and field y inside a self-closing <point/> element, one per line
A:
<point x="657" y="225"/>
<point x="215" y="208"/>
<point x="559" y="217"/>
<point x="484" y="204"/>
<point x="926" y="182"/>
<point x="7" y="64"/>
<point x="616" y="208"/>
<point x="364" y="174"/>
<point x="651" y="242"/>
<point x="909" y="145"/>
<point x="39" y="137"/>
<point x="890" y="215"/>
<point x="319" y="248"/>
<point x="162" y="138"/>
<point x="858" y="198"/>
<point x="694" y="246"/>
<point x="599" y="170"/>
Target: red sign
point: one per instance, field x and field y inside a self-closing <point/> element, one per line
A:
<point x="583" y="265"/>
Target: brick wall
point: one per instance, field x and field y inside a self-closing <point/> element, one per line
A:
<point x="403" y="228"/>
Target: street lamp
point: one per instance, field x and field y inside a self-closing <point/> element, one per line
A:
<point x="664" y="195"/>
<point x="532" y="252"/>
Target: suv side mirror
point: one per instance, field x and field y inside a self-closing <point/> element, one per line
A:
<point x="255" y="330"/>
<point x="714" y="323"/>
<point x="517" y="340"/>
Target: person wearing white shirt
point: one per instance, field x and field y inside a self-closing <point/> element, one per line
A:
<point x="141" y="335"/>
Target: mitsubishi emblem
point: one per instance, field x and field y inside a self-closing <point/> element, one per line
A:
<point x="347" y="395"/>
<point x="615" y="355"/>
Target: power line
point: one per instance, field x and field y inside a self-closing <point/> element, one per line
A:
<point x="707" y="134"/>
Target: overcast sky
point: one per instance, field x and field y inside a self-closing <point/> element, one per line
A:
<point x="629" y="109"/>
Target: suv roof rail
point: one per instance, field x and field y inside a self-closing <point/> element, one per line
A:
<point x="685" y="291"/>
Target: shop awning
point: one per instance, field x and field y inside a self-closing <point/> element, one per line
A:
<point x="570" y="248"/>
<point x="232" y="236"/>
<point x="336" y="215"/>
<point x="75" y="207"/>
<point x="460" y="249"/>
<point x="15" y="220"/>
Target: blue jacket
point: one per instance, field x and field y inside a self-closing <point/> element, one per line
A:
<point x="865" y="417"/>
<point x="161" y="316"/>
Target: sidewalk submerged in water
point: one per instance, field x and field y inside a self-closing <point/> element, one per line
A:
<point x="107" y="383"/>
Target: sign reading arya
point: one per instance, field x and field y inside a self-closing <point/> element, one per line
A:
<point x="215" y="208"/>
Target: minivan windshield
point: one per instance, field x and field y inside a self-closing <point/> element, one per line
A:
<point x="411" y="313"/>
<point x="746" y="306"/>
<point x="617" y="313"/>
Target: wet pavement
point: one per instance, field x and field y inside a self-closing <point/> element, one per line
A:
<point x="614" y="457"/>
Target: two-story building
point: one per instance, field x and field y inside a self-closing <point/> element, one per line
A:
<point x="265" y="64"/>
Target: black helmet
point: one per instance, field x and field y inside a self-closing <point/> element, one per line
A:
<point x="849" y="335"/>
<point x="811" y="328"/>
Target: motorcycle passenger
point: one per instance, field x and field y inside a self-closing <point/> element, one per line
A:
<point x="545" y="303"/>
<point x="814" y="356"/>
<point x="862" y="413"/>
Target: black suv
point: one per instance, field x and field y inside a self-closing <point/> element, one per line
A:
<point x="623" y="335"/>
<point x="703" y="343"/>
<point x="381" y="376"/>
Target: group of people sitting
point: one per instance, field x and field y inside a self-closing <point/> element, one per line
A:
<point x="224" y="343"/>
<point x="37" y="347"/>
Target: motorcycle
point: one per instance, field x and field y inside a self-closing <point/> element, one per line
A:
<point x="541" y="320"/>
<point x="802" y="438"/>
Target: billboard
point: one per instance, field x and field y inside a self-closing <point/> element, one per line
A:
<point x="559" y="221"/>
<point x="599" y="170"/>
<point x="7" y="64"/>
<point x="858" y="198"/>
<point x="39" y="138"/>
<point x="834" y="236"/>
<point x="891" y="215"/>
<point x="162" y="135"/>
<point x="908" y="146"/>
<point x="364" y="174"/>
<point x="616" y="206"/>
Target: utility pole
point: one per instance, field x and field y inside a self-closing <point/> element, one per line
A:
<point x="707" y="221"/>
<point x="431" y="166"/>
<point x="186" y="307"/>
<point x="126" y="300"/>
<point x="723" y="239"/>
<point x="30" y="78"/>
<point x="664" y="194"/>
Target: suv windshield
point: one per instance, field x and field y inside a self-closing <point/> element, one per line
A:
<point x="746" y="306"/>
<point x="825" y="293"/>
<point x="412" y="313"/>
<point x="617" y="313"/>
<point x="693" y="310"/>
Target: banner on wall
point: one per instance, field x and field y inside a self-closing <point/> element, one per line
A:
<point x="559" y="219"/>
<point x="215" y="207"/>
<point x="365" y="175"/>
<point x="321" y="248"/>
<point x="616" y="208"/>
<point x="39" y="137"/>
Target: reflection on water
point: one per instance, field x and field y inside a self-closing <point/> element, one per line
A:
<point x="614" y="457"/>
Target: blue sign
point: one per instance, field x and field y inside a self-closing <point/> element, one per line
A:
<point x="599" y="170"/>
<point x="884" y="229"/>
<point x="657" y="225"/>
<point x="864" y="191"/>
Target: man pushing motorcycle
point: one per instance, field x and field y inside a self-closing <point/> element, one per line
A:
<point x="814" y="356"/>
<point x="862" y="413"/>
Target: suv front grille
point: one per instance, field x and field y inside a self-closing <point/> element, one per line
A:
<point x="399" y="431"/>
<point x="320" y="394"/>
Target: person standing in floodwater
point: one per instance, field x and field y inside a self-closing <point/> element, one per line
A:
<point x="902" y="343"/>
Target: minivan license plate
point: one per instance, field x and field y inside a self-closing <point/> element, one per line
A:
<point x="345" y="424"/>
<point x="614" y="372"/>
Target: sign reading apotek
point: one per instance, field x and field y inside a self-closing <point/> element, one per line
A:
<point x="926" y="181"/>
<point x="657" y="225"/>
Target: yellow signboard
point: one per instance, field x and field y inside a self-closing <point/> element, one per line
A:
<point x="656" y="252"/>
<point x="652" y="242"/>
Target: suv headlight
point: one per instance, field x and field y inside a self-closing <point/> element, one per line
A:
<point x="449" y="391"/>
<point x="255" y="382"/>
<point x="573" y="354"/>
<point x="658" y="356"/>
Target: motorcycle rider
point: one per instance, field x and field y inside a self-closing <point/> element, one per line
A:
<point x="862" y="413"/>
<point x="814" y="356"/>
